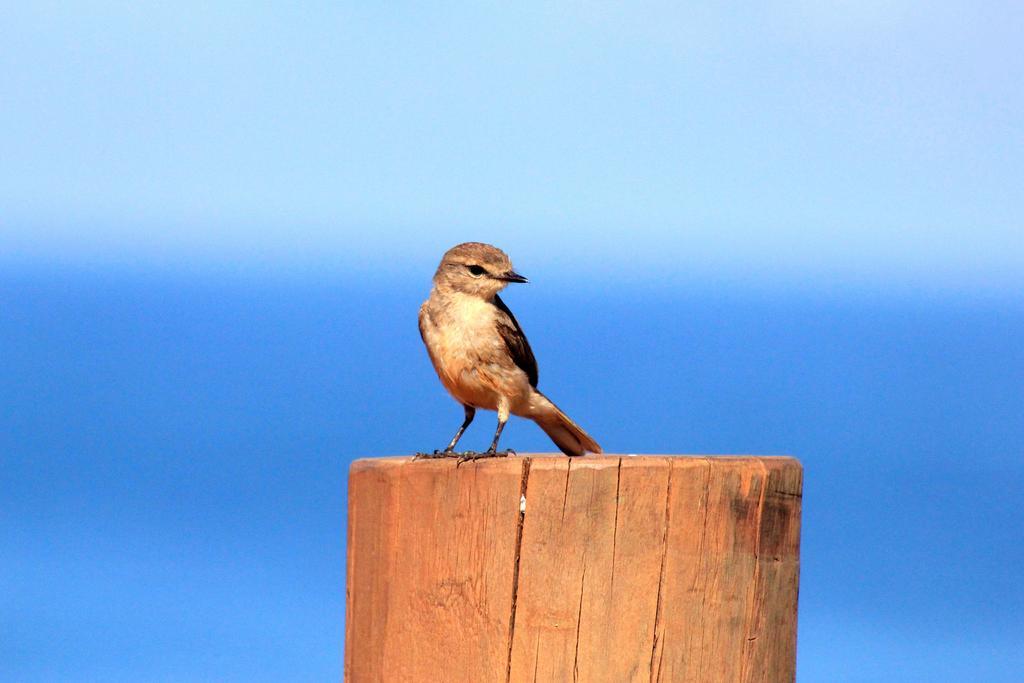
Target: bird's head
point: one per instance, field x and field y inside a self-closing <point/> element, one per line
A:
<point x="476" y="268"/>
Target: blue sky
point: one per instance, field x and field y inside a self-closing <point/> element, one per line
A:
<point x="866" y="143"/>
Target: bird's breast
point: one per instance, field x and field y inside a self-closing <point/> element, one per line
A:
<point x="466" y="350"/>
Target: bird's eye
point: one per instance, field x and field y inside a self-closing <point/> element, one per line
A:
<point x="477" y="271"/>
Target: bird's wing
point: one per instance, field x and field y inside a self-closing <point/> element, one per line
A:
<point x="423" y="312"/>
<point x="515" y="340"/>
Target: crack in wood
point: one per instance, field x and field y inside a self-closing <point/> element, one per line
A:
<point x="565" y="494"/>
<point x="661" y="572"/>
<point x="579" y="619"/>
<point x="536" y="658"/>
<point x="515" y="570"/>
<point x="751" y="594"/>
<point x="701" y="553"/>
<point x="615" y="525"/>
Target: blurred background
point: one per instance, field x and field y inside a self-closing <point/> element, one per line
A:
<point x="795" y="228"/>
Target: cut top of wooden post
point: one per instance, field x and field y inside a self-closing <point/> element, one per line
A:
<point x="548" y="568"/>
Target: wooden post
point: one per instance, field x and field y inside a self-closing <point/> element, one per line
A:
<point x="546" y="568"/>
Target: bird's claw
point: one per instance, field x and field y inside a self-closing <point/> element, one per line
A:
<point x="464" y="456"/>
<point x="436" y="454"/>
<point x="490" y="453"/>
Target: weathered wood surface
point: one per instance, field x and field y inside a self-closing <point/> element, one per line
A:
<point x="652" y="568"/>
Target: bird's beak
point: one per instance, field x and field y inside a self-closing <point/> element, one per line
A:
<point x="511" y="276"/>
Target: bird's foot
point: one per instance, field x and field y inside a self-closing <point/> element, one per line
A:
<point x="464" y="456"/>
<point x="490" y="453"/>
<point x="447" y="453"/>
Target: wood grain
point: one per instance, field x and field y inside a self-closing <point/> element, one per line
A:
<point x="653" y="568"/>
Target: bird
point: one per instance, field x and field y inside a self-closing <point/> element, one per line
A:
<point x="480" y="352"/>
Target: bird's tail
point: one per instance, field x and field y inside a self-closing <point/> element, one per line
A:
<point x="566" y="434"/>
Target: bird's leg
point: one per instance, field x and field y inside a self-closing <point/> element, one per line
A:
<point x="503" y="415"/>
<point x="491" y="452"/>
<point x="497" y="435"/>
<point x="470" y="414"/>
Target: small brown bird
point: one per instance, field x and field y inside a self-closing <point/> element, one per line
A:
<point x="481" y="354"/>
